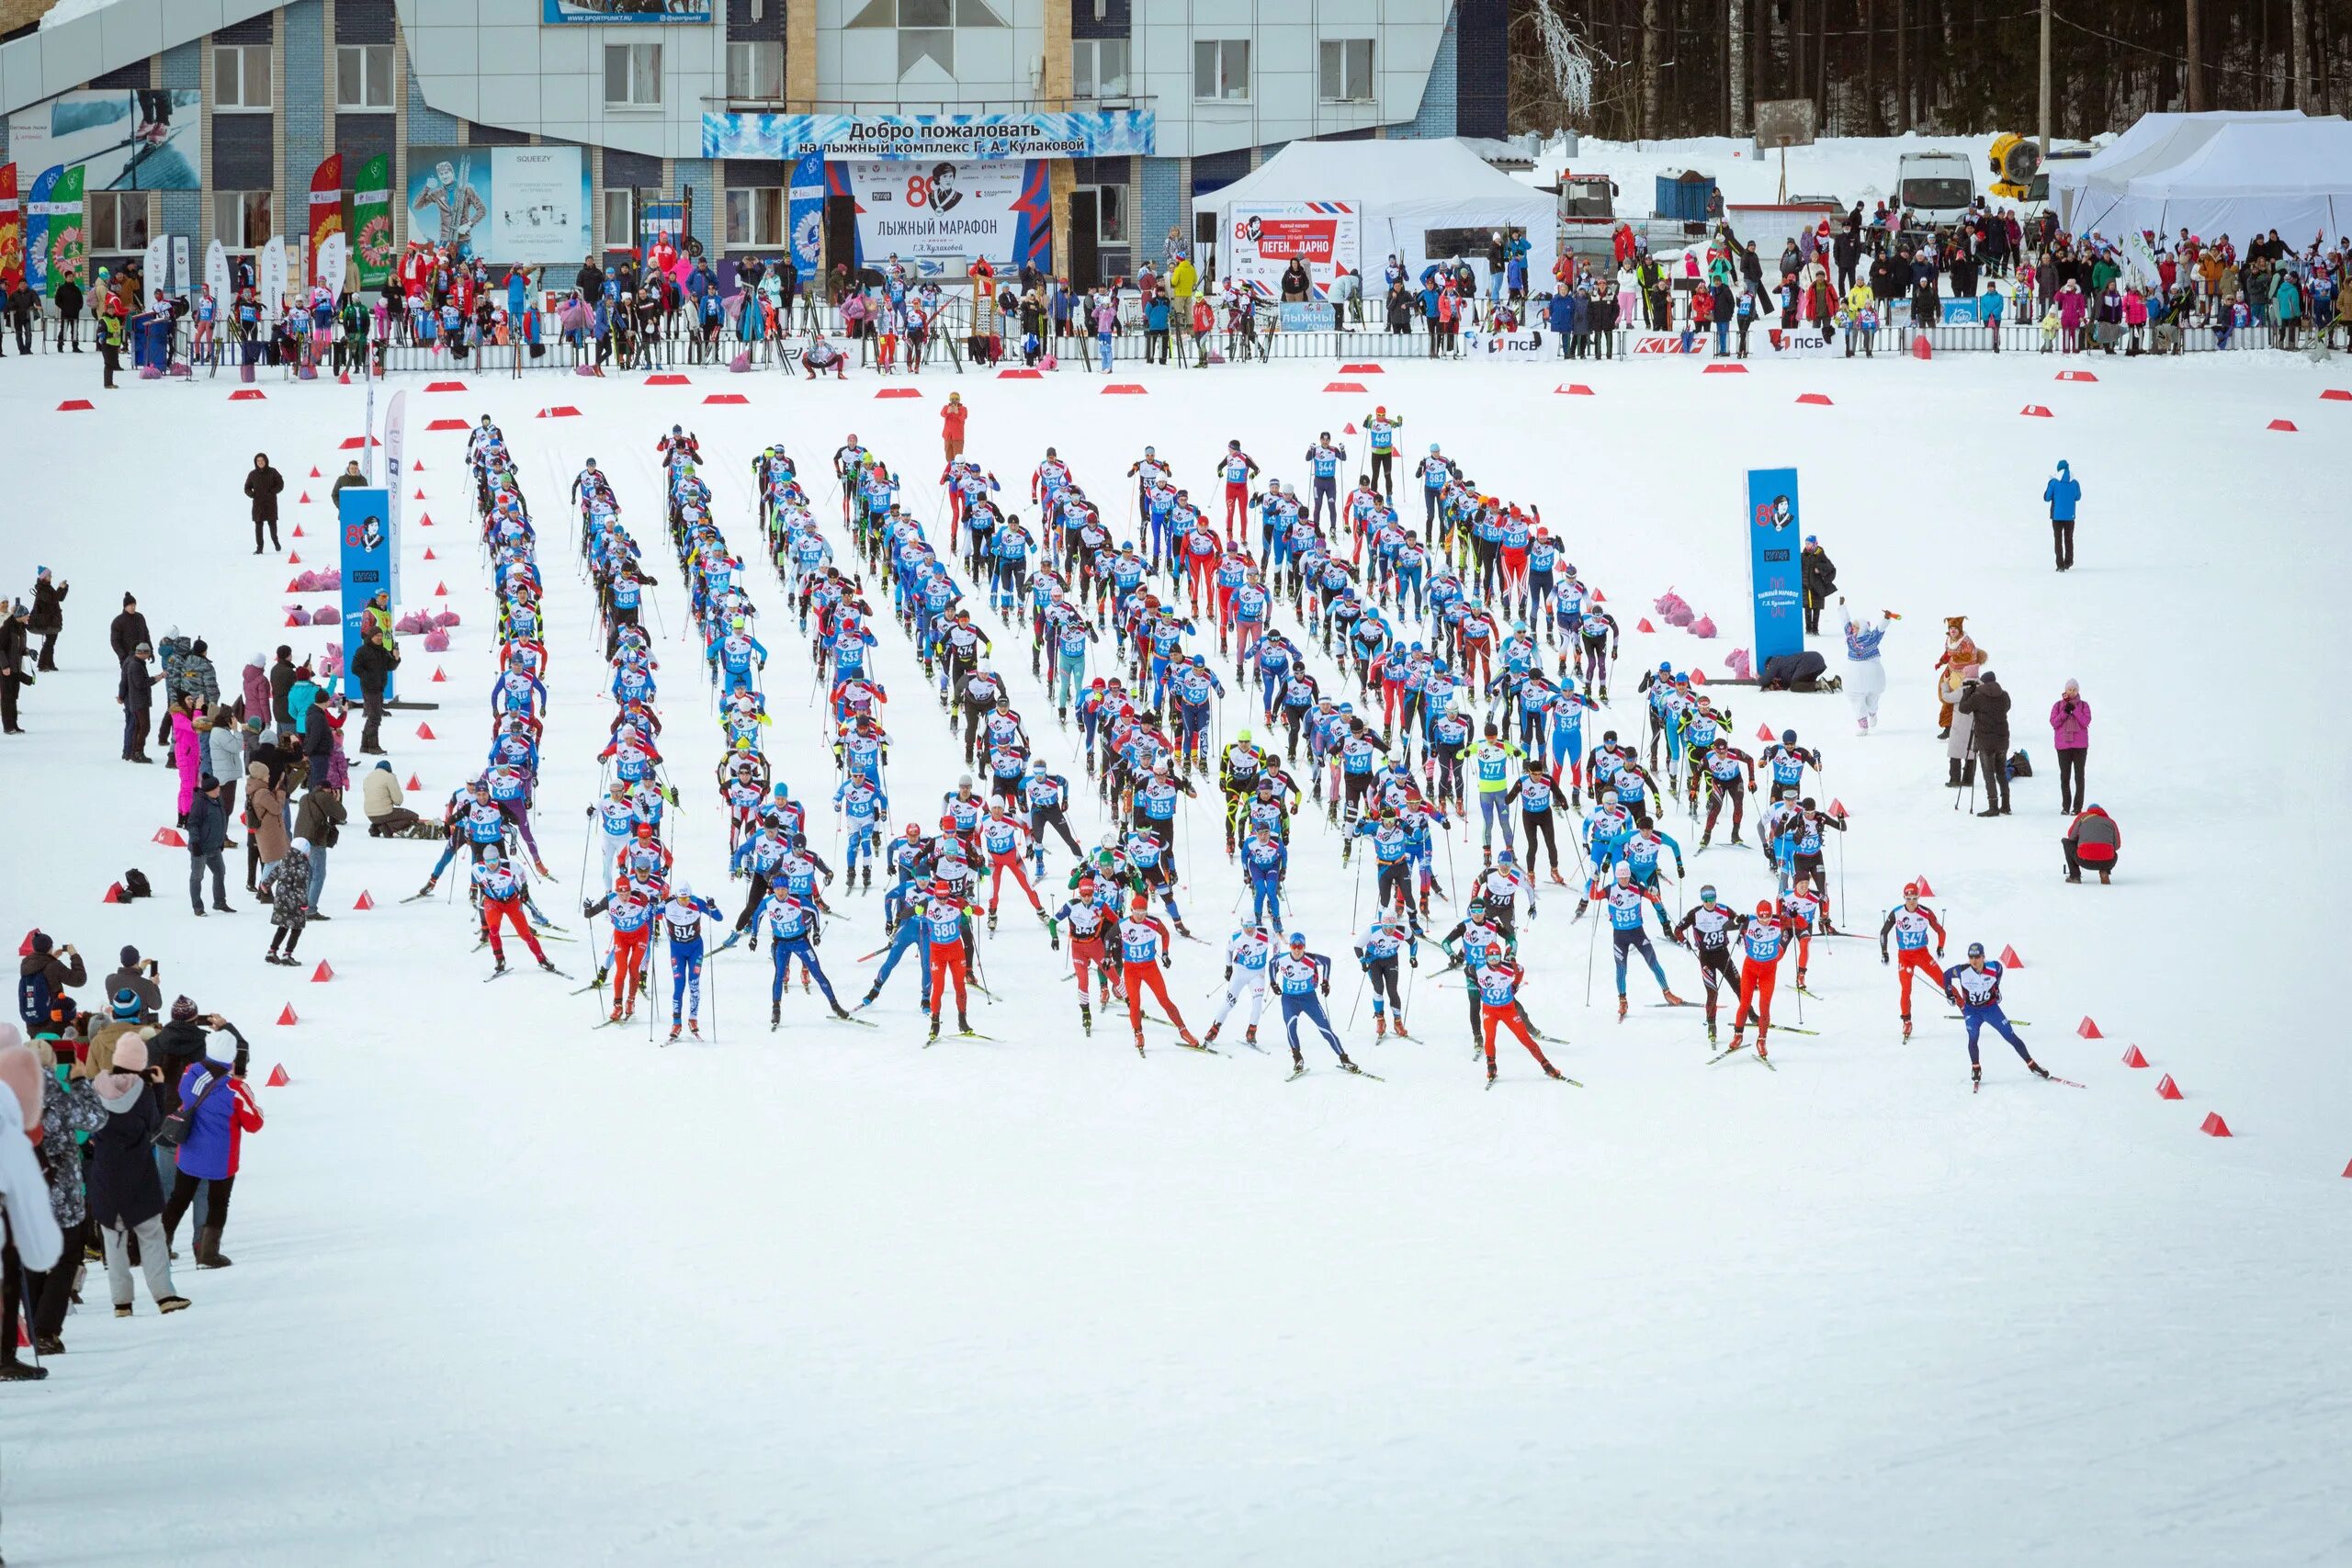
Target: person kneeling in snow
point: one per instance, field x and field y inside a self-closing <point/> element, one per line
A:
<point x="823" y="356"/>
<point x="2092" y="839"/>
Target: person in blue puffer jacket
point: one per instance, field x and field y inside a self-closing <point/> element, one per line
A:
<point x="2064" y="494"/>
<point x="216" y="1130"/>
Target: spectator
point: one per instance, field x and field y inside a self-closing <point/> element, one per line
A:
<point x="2092" y="839"/>
<point x="2064" y="494"/>
<point x="126" y="630"/>
<point x="207" y="832"/>
<point x="45" y="979"/>
<point x="263" y="486"/>
<point x="380" y="798"/>
<point x="287" y="885"/>
<point x="137" y="976"/>
<point x="68" y="315"/>
<point x="15" y="650"/>
<point x="2070" y="733"/>
<point x="48" y="618"/>
<point x="126" y="1198"/>
<point x="222" y="1111"/>
<point x="69" y="1112"/>
<point x="317" y="822"/>
<point x="372" y="665"/>
<point x="264" y="824"/>
<point x="225" y="759"/>
<point x="135" y="691"/>
<point x="343" y="481"/>
<point x="1819" y="574"/>
<point x="1987" y="705"/>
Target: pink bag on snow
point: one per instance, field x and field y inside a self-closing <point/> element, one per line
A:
<point x="436" y="642"/>
<point x="1742" y="668"/>
<point x="445" y="618"/>
<point x="412" y="624"/>
<point x="1702" y="627"/>
<point x="326" y="616"/>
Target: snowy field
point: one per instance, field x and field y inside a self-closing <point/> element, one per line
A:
<point x="509" y="1290"/>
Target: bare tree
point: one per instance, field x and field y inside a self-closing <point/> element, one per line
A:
<point x="1654" y="46"/>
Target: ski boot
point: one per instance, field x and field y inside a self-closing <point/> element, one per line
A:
<point x="963" y="1024"/>
<point x="1557" y="880"/>
<point x="674" y="1031"/>
<point x="1183" y="929"/>
<point x="775" y="1014"/>
<point x="548" y="964"/>
<point x="1760" y="1053"/>
<point x="1710" y="1031"/>
<point x="1975" y="1077"/>
<point x="1549" y="1070"/>
<point x="1346" y="1065"/>
<point x="1139" y="1042"/>
<point x="1620" y="1006"/>
<point x="426" y="891"/>
<point x="1706" y="837"/>
<point x="1907" y="1026"/>
<point x="1297" y="1062"/>
<point x="1086" y="1019"/>
<point x="991" y="919"/>
<point x="499" y="968"/>
<point x="1250" y="1036"/>
<point x="2036" y="1068"/>
<point x="1674" y="1001"/>
<point x="838" y="1010"/>
<point x="1380" y="1027"/>
<point x="1210" y="1038"/>
<point x="868" y="1000"/>
<point x="934" y="1028"/>
<point x="868" y="871"/>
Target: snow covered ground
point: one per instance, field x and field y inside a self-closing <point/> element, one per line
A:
<point x="510" y="1291"/>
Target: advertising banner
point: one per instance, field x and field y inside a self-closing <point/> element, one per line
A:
<point x="335" y="254"/>
<point x="932" y="138"/>
<point x="326" y="215"/>
<point x="127" y="138"/>
<point x="155" y="267"/>
<point x="521" y="205"/>
<point x="555" y="13"/>
<point x="37" y="229"/>
<point x="1001" y="211"/>
<point x="1263" y="238"/>
<point x="370" y="549"/>
<point x="216" y="274"/>
<point x="180" y="285"/>
<point x="1521" y="343"/>
<point x="1775" y="579"/>
<point x="807" y="214"/>
<point x="272" y="277"/>
<point x="12" y="227"/>
<point x="1806" y="341"/>
<point x="371" y="222"/>
<point x="395" y="450"/>
<point x="68" y="236"/>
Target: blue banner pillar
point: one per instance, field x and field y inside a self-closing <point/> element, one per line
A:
<point x="364" y="516"/>
<point x="1775" y="573"/>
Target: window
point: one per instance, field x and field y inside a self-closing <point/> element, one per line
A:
<point x="633" y="75"/>
<point x="621" y="220"/>
<point x="755" y="219"/>
<point x="1344" y="73"/>
<point x="755" y="71"/>
<point x="1098" y="68"/>
<point x="1220" y="69"/>
<point x="241" y="218"/>
<point x="118" y="220"/>
<point x="1111" y="215"/>
<point x="241" y="76"/>
<point x="363" y="76"/>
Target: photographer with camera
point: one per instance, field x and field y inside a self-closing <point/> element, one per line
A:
<point x="126" y="1193"/>
<point x="138" y="975"/>
<point x="1987" y="704"/>
<point x="217" y="1109"/>
<point x="44" y="976"/>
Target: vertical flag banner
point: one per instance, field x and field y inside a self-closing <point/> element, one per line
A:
<point x="326" y="215"/>
<point x="370" y="547"/>
<point x="180" y="283"/>
<point x="334" y="260"/>
<point x="155" y="269"/>
<point x="371" y="222"/>
<point x="67" y="240"/>
<point x="395" y="448"/>
<point x="808" y="215"/>
<point x="1775" y="579"/>
<point x="12" y="227"/>
<point x="273" y="275"/>
<point x="216" y="275"/>
<point x="37" y="228"/>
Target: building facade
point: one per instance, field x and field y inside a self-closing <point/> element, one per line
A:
<point x="257" y="96"/>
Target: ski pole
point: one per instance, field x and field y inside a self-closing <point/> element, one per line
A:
<point x="1593" y="939"/>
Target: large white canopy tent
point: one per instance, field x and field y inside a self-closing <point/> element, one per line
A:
<point x="1410" y="194"/>
<point x="2214" y="173"/>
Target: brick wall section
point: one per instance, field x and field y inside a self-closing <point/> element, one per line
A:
<point x="1481" y="69"/>
<point x="253" y="29"/>
<point x="363" y="21"/>
<point x="131" y="75"/>
<point x="701" y="176"/>
<point x="245" y="151"/>
<point x="1439" y="112"/>
<point x="184" y="210"/>
<point x="1159" y="205"/>
<point x="496" y="136"/>
<point x="428" y="127"/>
<point x="304" y="111"/>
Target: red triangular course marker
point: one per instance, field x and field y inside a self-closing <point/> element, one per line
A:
<point x="298" y="530"/>
<point x="1644" y="625"/>
<point x="169" y="838"/>
<point x="295" y="620"/>
<point x="669" y="380"/>
<point x="293" y="557"/>
<point x="2077" y="376"/>
<point x="446" y="424"/>
<point x="441" y="591"/>
<point x="2214" y="1126"/>
<point x="899" y="392"/>
<point x="1122" y="387"/>
<point x="444" y="386"/>
<point x="76" y="405"/>
<point x="277" y="1078"/>
<point x="246" y="395"/>
<point x="416" y="466"/>
<point x="1343" y="386"/>
<point x="367" y="900"/>
<point x="1920" y="350"/>
<point x="1838" y="808"/>
<point x="1764" y="733"/>
<point x="419" y="495"/>
<point x="1599" y="597"/>
<point x="1363" y="369"/>
<point x="303" y="499"/>
<point x="1574" y="389"/>
<point x="413" y="783"/>
<point x="2287" y="424"/>
<point x="2009" y="959"/>
<point x="1925" y="891"/>
<point x="2086" y="1029"/>
<point x="428" y="553"/>
<point x="425" y="732"/>
<point x="1348" y="428"/>
<point x="322" y="974"/>
<point x="286" y="1020"/>
<point x="315" y="474"/>
<point x="727" y="397"/>
<point x="1021" y="373"/>
<point x="425" y="520"/>
<point x="2167" y="1089"/>
<point x="113" y="894"/>
<point x="2133" y="1058"/>
<point x="1724" y="369"/>
<point x="1698" y="677"/>
<point x="2034" y="411"/>
<point x="437" y="675"/>
<point x="2329" y="395"/>
<point x="1820" y="399"/>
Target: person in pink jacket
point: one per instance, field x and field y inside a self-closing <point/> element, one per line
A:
<point x="187" y="752"/>
<point x="2072" y="307"/>
<point x="2070" y="732"/>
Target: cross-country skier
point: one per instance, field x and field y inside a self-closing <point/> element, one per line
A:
<point x="1977" y="985"/>
<point x="1912" y="921"/>
<point x="1302" y="979"/>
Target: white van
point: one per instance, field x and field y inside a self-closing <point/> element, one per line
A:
<point x="1935" y="188"/>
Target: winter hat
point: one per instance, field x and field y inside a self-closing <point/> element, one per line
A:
<point x="387" y="767"/>
<point x="129" y="1065"/>
<point x="126" y="1005"/>
<point x="129" y="600"/>
<point x="129" y="957"/>
<point x="220" y="1046"/>
<point x="198" y="648"/>
<point x="183" y="1008"/>
<point x="300" y="846"/>
<point x="43" y="941"/>
<point x="2073" y="688"/>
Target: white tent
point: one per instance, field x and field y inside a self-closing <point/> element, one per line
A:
<point x="2243" y="180"/>
<point x="1419" y="200"/>
<point x="2089" y="191"/>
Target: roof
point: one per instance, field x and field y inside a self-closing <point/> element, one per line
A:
<point x="79" y="41"/>
<point x="1421" y="176"/>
